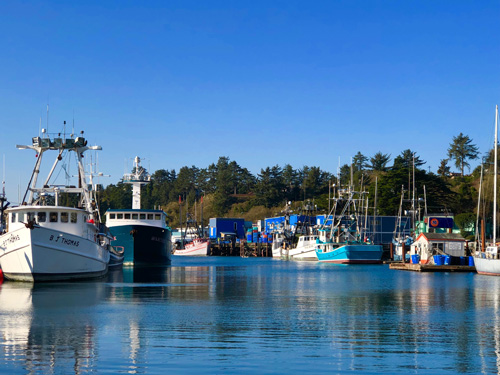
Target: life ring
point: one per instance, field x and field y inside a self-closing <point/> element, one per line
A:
<point x="434" y="222"/>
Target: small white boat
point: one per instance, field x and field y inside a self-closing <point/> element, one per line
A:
<point x="305" y="249"/>
<point x="49" y="241"/>
<point x="197" y="247"/>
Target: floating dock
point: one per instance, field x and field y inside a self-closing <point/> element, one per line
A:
<point x="430" y="267"/>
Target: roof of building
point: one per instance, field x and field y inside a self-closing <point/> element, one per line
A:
<point x="442" y="236"/>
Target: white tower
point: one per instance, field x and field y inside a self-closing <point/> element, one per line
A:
<point x="137" y="178"/>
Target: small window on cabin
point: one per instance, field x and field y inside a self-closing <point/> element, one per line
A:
<point x="42" y="217"/>
<point x="135" y="216"/>
<point x="64" y="217"/>
<point x="119" y="216"/>
<point x="74" y="217"/>
<point x="150" y="216"/>
<point x="53" y="217"/>
<point x="142" y="216"/>
<point x="127" y="216"/>
<point x="31" y="216"/>
<point x="13" y="217"/>
<point x="112" y="216"/>
<point x="20" y="217"/>
<point x="157" y="217"/>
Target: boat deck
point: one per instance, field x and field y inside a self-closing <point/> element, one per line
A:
<point x="430" y="267"/>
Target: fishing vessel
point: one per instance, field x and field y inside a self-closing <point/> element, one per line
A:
<point x="56" y="233"/>
<point x="488" y="262"/>
<point x="198" y="244"/>
<point x="143" y="234"/>
<point x="341" y="241"/>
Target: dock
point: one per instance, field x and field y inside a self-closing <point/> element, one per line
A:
<point x="430" y="267"/>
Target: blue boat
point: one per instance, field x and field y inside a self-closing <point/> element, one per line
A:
<point x="361" y="253"/>
<point x="142" y="234"/>
<point x="341" y="240"/>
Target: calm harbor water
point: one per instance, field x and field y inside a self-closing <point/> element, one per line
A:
<point x="253" y="315"/>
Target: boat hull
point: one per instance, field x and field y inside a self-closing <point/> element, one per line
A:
<point x="195" y="248"/>
<point x="487" y="266"/>
<point x="143" y="244"/>
<point x="352" y="254"/>
<point x="43" y="254"/>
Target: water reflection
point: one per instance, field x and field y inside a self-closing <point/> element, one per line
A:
<point x="49" y="326"/>
<point x="251" y="316"/>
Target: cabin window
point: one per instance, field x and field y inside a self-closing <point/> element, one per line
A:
<point x="135" y="216"/>
<point x="53" y="217"/>
<point x="127" y="216"/>
<point x="150" y="216"/>
<point x="31" y="216"/>
<point x="143" y="216"/>
<point x="112" y="216"/>
<point x="157" y="217"/>
<point x="74" y="217"/>
<point x="64" y="217"/>
<point x="20" y="217"/>
<point x="119" y="216"/>
<point x="42" y="217"/>
<point x="13" y="217"/>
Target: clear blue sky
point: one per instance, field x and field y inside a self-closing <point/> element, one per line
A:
<point x="262" y="82"/>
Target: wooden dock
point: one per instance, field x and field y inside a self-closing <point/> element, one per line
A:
<point x="430" y="267"/>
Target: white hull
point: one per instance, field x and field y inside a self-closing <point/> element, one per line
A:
<point x="195" y="248"/>
<point x="487" y="266"/>
<point x="43" y="254"/>
<point x="305" y="249"/>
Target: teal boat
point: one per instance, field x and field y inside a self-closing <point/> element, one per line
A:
<point x="142" y="234"/>
<point x="340" y="237"/>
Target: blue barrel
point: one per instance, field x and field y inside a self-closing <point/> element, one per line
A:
<point x="447" y="260"/>
<point x="255" y="237"/>
<point x="264" y="237"/>
<point x="438" y="260"/>
<point x="471" y="261"/>
<point x="415" y="259"/>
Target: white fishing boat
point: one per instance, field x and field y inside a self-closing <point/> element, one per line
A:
<point x="47" y="240"/>
<point x="488" y="262"/>
<point x="197" y="247"/>
<point x="305" y="248"/>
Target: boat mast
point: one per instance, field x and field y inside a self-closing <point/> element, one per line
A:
<point x="138" y="178"/>
<point x="495" y="181"/>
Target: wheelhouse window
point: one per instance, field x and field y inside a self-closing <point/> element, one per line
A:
<point x="135" y="216"/>
<point x="64" y="217"/>
<point x="20" y="217"/>
<point x="42" y="217"/>
<point x="143" y="216"/>
<point x="127" y="216"/>
<point x="112" y="216"/>
<point x="53" y="217"/>
<point x="74" y="217"/>
<point x="150" y="216"/>
<point x="119" y="216"/>
<point x="31" y="216"/>
<point x="13" y="217"/>
<point x="157" y="217"/>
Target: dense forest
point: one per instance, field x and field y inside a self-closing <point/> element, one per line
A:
<point x="228" y="189"/>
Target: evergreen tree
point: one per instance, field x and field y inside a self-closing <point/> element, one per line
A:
<point x="379" y="162"/>
<point x="461" y="149"/>
<point x="443" y="169"/>
<point x="407" y="159"/>
<point x="359" y="161"/>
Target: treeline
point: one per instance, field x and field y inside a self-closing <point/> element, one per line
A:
<point x="230" y="189"/>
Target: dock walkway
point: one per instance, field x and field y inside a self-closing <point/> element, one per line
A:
<point x="430" y="267"/>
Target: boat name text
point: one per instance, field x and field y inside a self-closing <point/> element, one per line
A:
<point x="64" y="241"/>
<point x="13" y="238"/>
